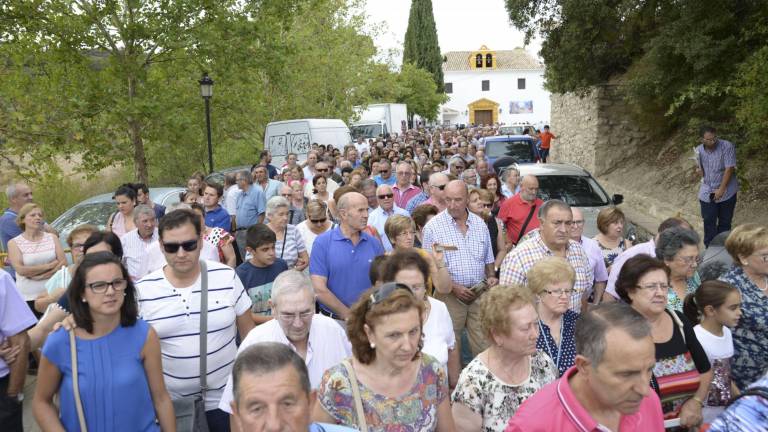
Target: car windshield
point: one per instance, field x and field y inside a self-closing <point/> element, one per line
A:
<point x="366" y="131"/>
<point x="512" y="130"/>
<point x="579" y="191"/>
<point x="94" y="213"/>
<point x="521" y="150"/>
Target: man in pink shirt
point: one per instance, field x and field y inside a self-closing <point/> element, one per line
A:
<point x="608" y="387"/>
<point x="403" y="189"/>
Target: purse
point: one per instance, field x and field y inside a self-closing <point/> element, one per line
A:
<point x="190" y="410"/>
<point x="362" y="424"/>
<point x="76" y="382"/>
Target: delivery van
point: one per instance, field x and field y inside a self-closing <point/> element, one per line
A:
<point x="297" y="136"/>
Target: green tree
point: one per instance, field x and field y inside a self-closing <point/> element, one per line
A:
<point x="419" y="92"/>
<point x="421" y="47"/>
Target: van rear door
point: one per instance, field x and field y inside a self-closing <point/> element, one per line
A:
<point x="282" y="138"/>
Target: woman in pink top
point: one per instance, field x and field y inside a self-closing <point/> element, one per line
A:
<point x="121" y="221"/>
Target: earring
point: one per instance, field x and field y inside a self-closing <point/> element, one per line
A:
<point x="373" y="345"/>
<point x="84" y="301"/>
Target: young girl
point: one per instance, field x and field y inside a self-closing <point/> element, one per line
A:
<point x="716" y="306"/>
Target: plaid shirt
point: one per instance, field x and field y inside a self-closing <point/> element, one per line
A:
<point x="532" y="250"/>
<point x="467" y="264"/>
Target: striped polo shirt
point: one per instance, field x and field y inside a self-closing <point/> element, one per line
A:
<point x="174" y="313"/>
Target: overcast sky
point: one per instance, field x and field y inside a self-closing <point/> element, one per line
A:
<point x="462" y="25"/>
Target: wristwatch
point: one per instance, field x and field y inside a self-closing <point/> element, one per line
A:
<point x="18" y="396"/>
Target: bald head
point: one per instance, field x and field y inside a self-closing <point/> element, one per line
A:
<point x="353" y="210"/>
<point x="577" y="229"/>
<point x="529" y="188"/>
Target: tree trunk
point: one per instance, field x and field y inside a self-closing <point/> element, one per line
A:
<point x="134" y="133"/>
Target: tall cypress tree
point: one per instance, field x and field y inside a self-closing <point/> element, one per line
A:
<point x="421" y="46"/>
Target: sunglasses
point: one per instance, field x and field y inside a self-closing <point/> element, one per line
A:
<point x="317" y="221"/>
<point x="322" y="170"/>
<point x="386" y="290"/>
<point x="441" y="187"/>
<point x="385" y="196"/>
<point x="188" y="246"/>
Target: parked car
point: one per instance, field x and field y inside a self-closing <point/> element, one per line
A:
<point x="96" y="210"/>
<point x="218" y="176"/>
<point x="577" y="187"/>
<point x="505" y="150"/>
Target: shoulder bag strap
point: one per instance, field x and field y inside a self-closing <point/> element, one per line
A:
<point x="285" y="240"/>
<point x="76" y="382"/>
<point x="525" y="224"/>
<point x="679" y="323"/>
<point x="203" y="328"/>
<point x="362" y="424"/>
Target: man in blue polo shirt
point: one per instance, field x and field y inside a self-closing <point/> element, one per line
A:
<point x="215" y="214"/>
<point x="251" y="205"/>
<point x="341" y="258"/>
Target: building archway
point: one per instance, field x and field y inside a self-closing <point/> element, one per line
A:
<point x="483" y="111"/>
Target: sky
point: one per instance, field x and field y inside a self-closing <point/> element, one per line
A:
<point x="462" y="25"/>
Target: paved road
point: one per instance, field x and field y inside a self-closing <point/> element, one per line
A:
<point x="29" y="389"/>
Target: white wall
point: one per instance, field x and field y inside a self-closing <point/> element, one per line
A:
<point x="467" y="88"/>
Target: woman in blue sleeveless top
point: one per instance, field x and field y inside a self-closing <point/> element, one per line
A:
<point x="118" y="358"/>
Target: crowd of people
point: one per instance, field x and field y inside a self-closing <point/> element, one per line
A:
<point x="397" y="284"/>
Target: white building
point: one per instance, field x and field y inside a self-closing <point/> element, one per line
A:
<point x="487" y="87"/>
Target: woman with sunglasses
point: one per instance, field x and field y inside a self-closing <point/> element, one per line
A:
<point x="481" y="204"/>
<point x="398" y="387"/>
<point x="317" y="222"/>
<point x="120" y="373"/>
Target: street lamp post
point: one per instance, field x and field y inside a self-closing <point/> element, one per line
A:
<point x="206" y="91"/>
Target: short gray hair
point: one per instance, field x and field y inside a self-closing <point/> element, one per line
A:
<point x="275" y="203"/>
<point x="142" y="209"/>
<point x="290" y="282"/>
<point x="553" y="203"/>
<point x="10" y="191"/>
<point x="593" y="325"/>
<point x="178" y="206"/>
<point x="246" y="174"/>
<point x="507" y="170"/>
<point x="672" y="240"/>
<point x="267" y="357"/>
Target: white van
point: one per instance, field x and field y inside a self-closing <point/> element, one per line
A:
<point x="297" y="136"/>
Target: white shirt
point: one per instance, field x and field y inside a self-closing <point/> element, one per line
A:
<point x="174" y="313"/>
<point x="308" y="174"/>
<point x="378" y="218"/>
<point x="648" y="248"/>
<point x="716" y="347"/>
<point x="230" y="199"/>
<point x="362" y="147"/>
<point x="438" y="332"/>
<point x="136" y="253"/>
<point x="156" y="258"/>
<point x="307" y="234"/>
<point x="332" y="186"/>
<point x="327" y="346"/>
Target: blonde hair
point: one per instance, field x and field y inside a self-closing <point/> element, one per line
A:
<point x="745" y="239"/>
<point x="396" y="225"/>
<point x="495" y="304"/>
<point x="25" y="210"/>
<point x="550" y="270"/>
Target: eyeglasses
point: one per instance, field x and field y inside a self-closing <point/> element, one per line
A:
<point x="385" y="196"/>
<point x="322" y="170"/>
<point x="317" y="221"/>
<point x="286" y="195"/>
<point x="486" y="205"/>
<point x="441" y="187"/>
<point x="578" y="223"/>
<point x="560" y="292"/>
<point x="291" y="317"/>
<point x="386" y="290"/>
<point x="763" y="257"/>
<point x="654" y="287"/>
<point x="188" y="246"/>
<point x="101" y="287"/>
<point x="78" y="246"/>
<point x="690" y="261"/>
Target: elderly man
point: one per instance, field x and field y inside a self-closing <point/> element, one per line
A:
<point x="519" y="212"/>
<point x="271" y="388"/>
<point x="341" y="258"/>
<point x="404" y="189"/>
<point x="309" y="166"/>
<point x="250" y="206"/>
<point x="138" y="241"/>
<point x="170" y="301"/>
<point x="608" y="387"/>
<point x="268" y="185"/>
<point x="317" y="339"/>
<point x="437" y="185"/>
<point x="456" y="166"/>
<point x="324" y="170"/>
<point x="469" y="264"/>
<point x="368" y="188"/>
<point x="385" y="209"/>
<point x="469" y="176"/>
<point x="385" y="173"/>
<point x="18" y="194"/>
<point x="553" y="238"/>
<point x="215" y="214"/>
<point x="351" y="156"/>
<point x="483" y="168"/>
<point x="595" y="255"/>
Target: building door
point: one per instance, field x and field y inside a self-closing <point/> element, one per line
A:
<point x="483" y="117"/>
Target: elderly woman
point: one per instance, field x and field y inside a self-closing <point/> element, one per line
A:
<point x="121" y="374"/>
<point x="679" y="249"/>
<point x="682" y="371"/>
<point x="289" y="245"/>
<point x="748" y="246"/>
<point x="317" y="222"/>
<point x="511" y="177"/>
<point x="388" y="378"/>
<point x="551" y="281"/>
<point x="501" y="378"/>
<point x="410" y="268"/>
<point x="610" y="224"/>
<point x="294" y="193"/>
<point x="421" y="215"/>
<point x="35" y="254"/>
<point x="481" y="203"/>
<point x="121" y="221"/>
<point x="402" y="231"/>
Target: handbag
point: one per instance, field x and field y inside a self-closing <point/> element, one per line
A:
<point x="76" y="382"/>
<point x="362" y="424"/>
<point x="190" y="410"/>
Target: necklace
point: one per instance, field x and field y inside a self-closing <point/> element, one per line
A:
<point x="551" y="352"/>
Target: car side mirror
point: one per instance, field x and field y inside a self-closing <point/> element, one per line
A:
<point x="617" y="199"/>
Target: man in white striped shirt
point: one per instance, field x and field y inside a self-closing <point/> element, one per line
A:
<point x="137" y="242"/>
<point x="169" y="299"/>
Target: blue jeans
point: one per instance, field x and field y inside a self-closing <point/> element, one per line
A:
<point x="717" y="217"/>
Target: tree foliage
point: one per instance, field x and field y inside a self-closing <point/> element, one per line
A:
<point x="684" y="62"/>
<point x="421" y="47"/>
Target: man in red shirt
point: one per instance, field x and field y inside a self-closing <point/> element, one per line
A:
<point x="519" y="212"/>
<point x="546" y="143"/>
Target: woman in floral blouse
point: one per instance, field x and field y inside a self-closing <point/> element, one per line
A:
<point x="679" y="249"/>
<point x="748" y="246"/>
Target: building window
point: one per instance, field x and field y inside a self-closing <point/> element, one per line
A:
<point x="479" y="61"/>
<point x="449" y="87"/>
<point x="488" y="60"/>
<point x="521" y="83"/>
<point x="486" y="85"/>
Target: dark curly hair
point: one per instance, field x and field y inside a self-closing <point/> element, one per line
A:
<point x="631" y="272"/>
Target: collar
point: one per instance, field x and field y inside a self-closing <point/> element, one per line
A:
<point x="337" y="235"/>
<point x="571" y="406"/>
<point x="409" y="187"/>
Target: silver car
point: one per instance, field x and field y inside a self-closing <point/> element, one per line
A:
<point x="577" y="187"/>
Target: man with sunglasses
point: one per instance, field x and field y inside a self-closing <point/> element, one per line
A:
<point x="322" y="169"/>
<point x="437" y="184"/>
<point x="386" y="208"/>
<point x="169" y="299"/>
<point x="385" y="173"/>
